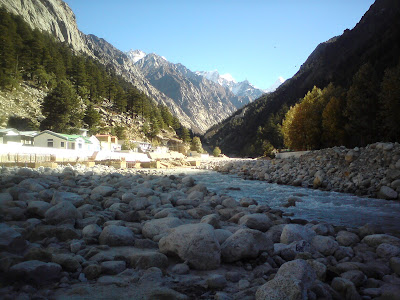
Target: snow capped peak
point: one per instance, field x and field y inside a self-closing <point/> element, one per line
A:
<point x="275" y="85"/>
<point x="228" y="77"/>
<point x="135" y="55"/>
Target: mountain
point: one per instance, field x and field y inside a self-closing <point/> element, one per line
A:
<point x="55" y="17"/>
<point x="135" y="55"/>
<point x="241" y="89"/>
<point x="207" y="102"/>
<point x="375" y="39"/>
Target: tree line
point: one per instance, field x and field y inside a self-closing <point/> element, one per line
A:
<point x="77" y="84"/>
<point x="367" y="112"/>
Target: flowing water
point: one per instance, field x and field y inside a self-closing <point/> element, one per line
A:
<point x="332" y="207"/>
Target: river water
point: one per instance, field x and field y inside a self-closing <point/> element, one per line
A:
<point x="332" y="207"/>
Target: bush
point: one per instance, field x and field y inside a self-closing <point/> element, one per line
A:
<point x="216" y="152"/>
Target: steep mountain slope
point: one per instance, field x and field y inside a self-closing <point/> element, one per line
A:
<point x="208" y="102"/>
<point x="375" y="39"/>
<point x="55" y="17"/>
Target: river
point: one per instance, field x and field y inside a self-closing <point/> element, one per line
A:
<point x="322" y="206"/>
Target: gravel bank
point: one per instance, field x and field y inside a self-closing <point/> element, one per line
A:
<point x="90" y="233"/>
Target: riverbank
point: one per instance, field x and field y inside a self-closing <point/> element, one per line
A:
<point x="90" y="233"/>
<point x="373" y="171"/>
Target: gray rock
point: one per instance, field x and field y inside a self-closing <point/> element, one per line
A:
<point x="216" y="282"/>
<point x="148" y="259"/>
<point x="31" y="185"/>
<point x="387" y="250"/>
<point x="323" y="229"/>
<point x="292" y="281"/>
<point x="375" y="240"/>
<point x="180" y="269"/>
<point x="38" y="208"/>
<point x="325" y="245"/>
<point x="295" y="232"/>
<point x="91" y="233"/>
<point x="222" y="235"/>
<point x="388" y="193"/>
<point x="127" y="197"/>
<point x="194" y="243"/>
<point x="395" y="265"/>
<point x="145" y="192"/>
<point x="246" y="202"/>
<point x="256" y="221"/>
<point x="112" y="267"/>
<point x="67" y="261"/>
<point x="160" y="227"/>
<point x="75" y="199"/>
<point x="245" y="243"/>
<point x="345" y="287"/>
<point x="212" y="219"/>
<point x="11" y="240"/>
<point x="230" y="203"/>
<point x="114" y="235"/>
<point x="34" y="271"/>
<point x="346" y="238"/>
<point x="103" y="190"/>
<point x="355" y="276"/>
<point x="63" y="212"/>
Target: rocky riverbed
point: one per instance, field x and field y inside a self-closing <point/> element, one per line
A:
<point x="102" y="233"/>
<point x="373" y="171"/>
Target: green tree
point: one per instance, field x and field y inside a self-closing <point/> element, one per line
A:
<point x="362" y="106"/>
<point x="61" y="108"/>
<point x="389" y="100"/>
<point x="216" y="152"/>
<point x="196" y="145"/>
<point x="333" y="123"/>
<point x="92" y="118"/>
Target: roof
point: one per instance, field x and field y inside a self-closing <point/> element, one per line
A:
<point x="5" y="131"/>
<point x="67" y="137"/>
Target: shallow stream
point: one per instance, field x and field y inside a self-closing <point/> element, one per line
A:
<point x="332" y="207"/>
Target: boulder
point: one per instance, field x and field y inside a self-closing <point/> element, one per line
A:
<point x="114" y="235"/>
<point x="292" y="281"/>
<point x="103" y="190"/>
<point x="385" y="250"/>
<point x="256" y="221"/>
<point x="387" y="193"/>
<point x="346" y="238"/>
<point x="38" y="208"/>
<point x="113" y="267"/>
<point x="325" y="245"/>
<point x="148" y="259"/>
<point x="212" y="219"/>
<point x="67" y="261"/>
<point x="296" y="232"/>
<point x="91" y="233"/>
<point x="11" y="240"/>
<point x="245" y="243"/>
<point x="34" y="271"/>
<point x="63" y="212"/>
<point x="395" y="265"/>
<point x="375" y="240"/>
<point x="75" y="199"/>
<point x="160" y="227"/>
<point x="194" y="243"/>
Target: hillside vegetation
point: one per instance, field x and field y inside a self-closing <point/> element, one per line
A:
<point x="73" y="88"/>
<point x="356" y="65"/>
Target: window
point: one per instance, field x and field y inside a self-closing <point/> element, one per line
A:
<point x="62" y="144"/>
<point x="49" y="142"/>
<point x="72" y="145"/>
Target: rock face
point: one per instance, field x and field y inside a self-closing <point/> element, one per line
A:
<point x="196" y="95"/>
<point x="114" y="235"/>
<point x="194" y="243"/>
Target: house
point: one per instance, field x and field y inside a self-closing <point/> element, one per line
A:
<point x="14" y="136"/>
<point x="52" y="139"/>
<point x="108" y="142"/>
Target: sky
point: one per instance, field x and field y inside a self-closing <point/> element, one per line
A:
<point x="254" y="40"/>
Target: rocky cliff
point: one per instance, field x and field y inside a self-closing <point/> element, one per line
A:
<point x="55" y="17"/>
<point x="197" y="96"/>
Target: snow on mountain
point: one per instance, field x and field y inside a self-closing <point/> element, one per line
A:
<point x="275" y="85"/>
<point x="243" y="88"/>
<point x="135" y="55"/>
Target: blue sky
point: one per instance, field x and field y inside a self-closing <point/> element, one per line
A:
<point x="257" y="40"/>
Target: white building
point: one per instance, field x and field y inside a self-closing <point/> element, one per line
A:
<point x="52" y="139"/>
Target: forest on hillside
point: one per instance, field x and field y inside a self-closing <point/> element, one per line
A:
<point x="76" y="84"/>
<point x="366" y="112"/>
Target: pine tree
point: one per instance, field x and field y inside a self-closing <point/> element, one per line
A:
<point x="61" y="108"/>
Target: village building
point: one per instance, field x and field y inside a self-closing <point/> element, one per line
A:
<point x="48" y="138"/>
<point x="16" y="137"/>
<point x="108" y="142"/>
